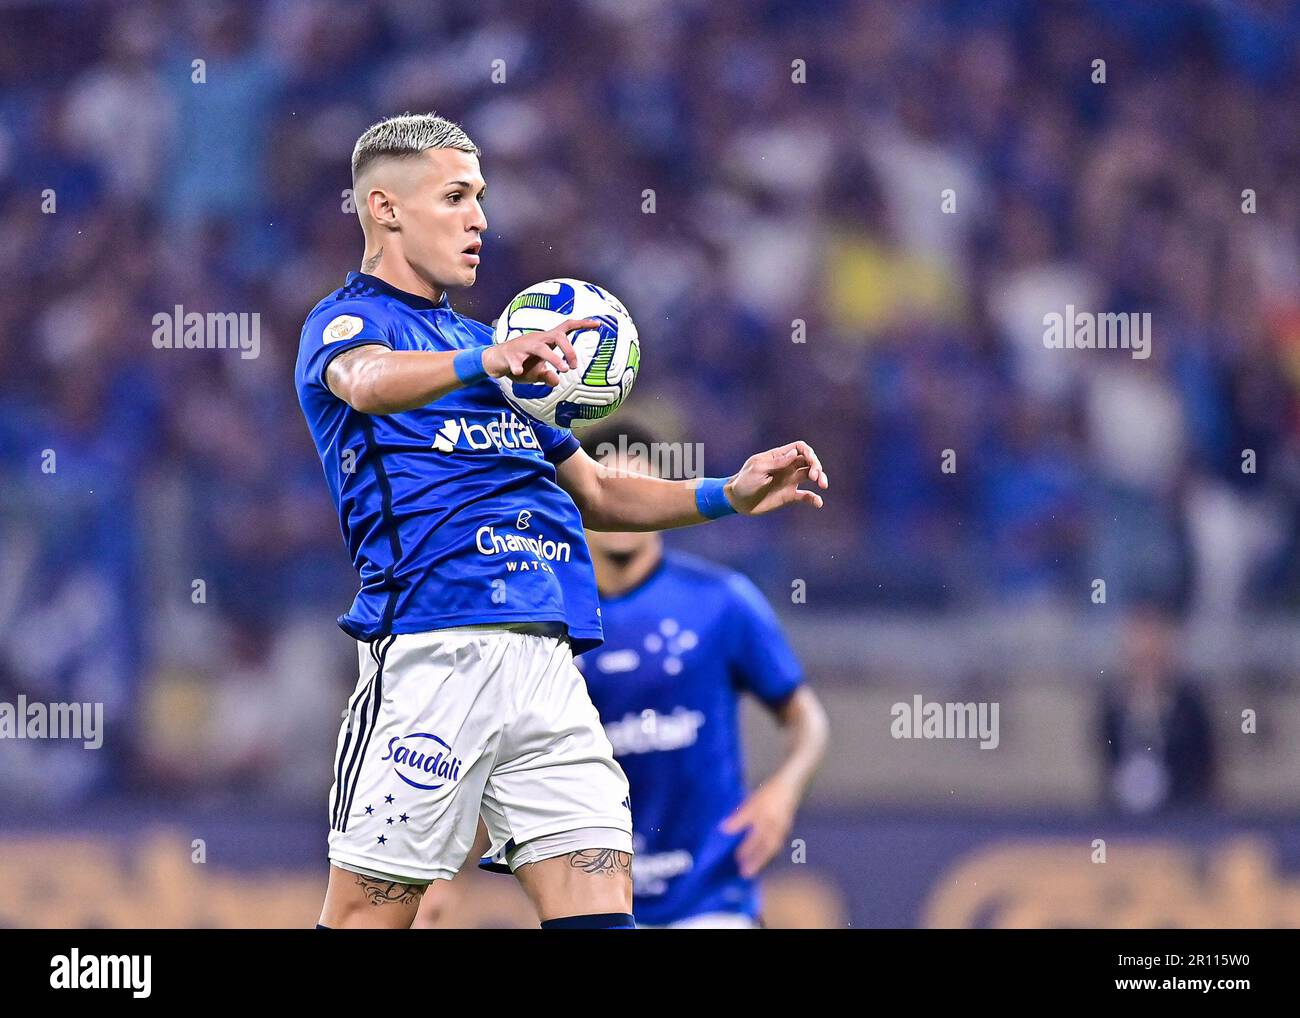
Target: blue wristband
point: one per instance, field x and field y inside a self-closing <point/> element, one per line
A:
<point x="469" y="365"/>
<point x="711" y="500"/>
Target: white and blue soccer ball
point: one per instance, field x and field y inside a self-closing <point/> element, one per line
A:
<point x="608" y="357"/>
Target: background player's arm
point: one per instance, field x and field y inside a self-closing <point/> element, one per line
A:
<point x="374" y="379"/>
<point x="620" y="500"/>
<point x="769" y="812"/>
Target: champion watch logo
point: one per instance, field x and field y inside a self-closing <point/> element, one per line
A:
<point x="524" y="517"/>
<point x="506" y="431"/>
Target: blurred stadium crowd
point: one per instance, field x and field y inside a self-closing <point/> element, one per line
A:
<point x="782" y="211"/>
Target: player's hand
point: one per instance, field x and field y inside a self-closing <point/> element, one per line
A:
<point x="771" y="479"/>
<point x="536" y="356"/>
<point x="769" y="815"/>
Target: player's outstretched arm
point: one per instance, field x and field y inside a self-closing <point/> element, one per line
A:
<point x="374" y="379"/>
<point x="621" y="500"/>
<point x="767" y="815"/>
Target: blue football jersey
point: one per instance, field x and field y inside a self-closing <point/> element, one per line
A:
<point x="451" y="512"/>
<point x="679" y="650"/>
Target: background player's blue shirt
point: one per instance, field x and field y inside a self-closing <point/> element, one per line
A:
<point x="451" y="512"/>
<point x="679" y="649"/>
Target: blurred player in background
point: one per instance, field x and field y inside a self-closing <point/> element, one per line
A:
<point x="684" y="638"/>
<point x="465" y="521"/>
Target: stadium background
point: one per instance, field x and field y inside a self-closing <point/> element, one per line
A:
<point x="774" y="201"/>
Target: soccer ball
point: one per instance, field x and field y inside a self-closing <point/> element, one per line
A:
<point x="608" y="357"/>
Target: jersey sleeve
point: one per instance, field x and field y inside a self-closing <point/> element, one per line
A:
<point x="762" y="661"/>
<point x="331" y="330"/>
<point x="558" y="444"/>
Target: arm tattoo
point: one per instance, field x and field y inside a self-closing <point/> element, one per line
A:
<point x="389" y="892"/>
<point x="369" y="264"/>
<point x="601" y="860"/>
<point x="341" y="366"/>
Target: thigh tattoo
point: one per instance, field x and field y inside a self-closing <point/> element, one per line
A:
<point x="601" y="860"/>
<point x="389" y="892"/>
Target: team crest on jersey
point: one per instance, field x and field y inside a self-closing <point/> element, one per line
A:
<point x="343" y="327"/>
<point x="423" y="760"/>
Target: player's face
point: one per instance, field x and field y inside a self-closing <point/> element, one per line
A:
<point x="442" y="218"/>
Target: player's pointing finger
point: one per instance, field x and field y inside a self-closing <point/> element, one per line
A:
<point x="578" y="324"/>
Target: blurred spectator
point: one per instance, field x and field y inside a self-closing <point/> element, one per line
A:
<point x="1159" y="748"/>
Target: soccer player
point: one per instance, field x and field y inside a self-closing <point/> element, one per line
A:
<point x="684" y="638"/>
<point x="465" y="522"/>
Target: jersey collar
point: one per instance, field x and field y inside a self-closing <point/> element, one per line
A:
<point x="409" y="299"/>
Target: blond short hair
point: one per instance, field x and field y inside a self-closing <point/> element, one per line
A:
<point x="407" y="135"/>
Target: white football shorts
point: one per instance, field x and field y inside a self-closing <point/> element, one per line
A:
<point x="449" y="724"/>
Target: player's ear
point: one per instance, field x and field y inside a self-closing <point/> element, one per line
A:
<point x="379" y="205"/>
